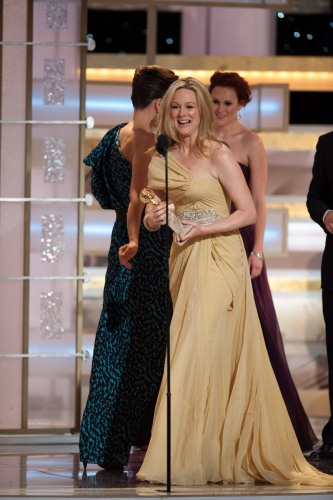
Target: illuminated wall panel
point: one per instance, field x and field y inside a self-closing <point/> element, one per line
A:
<point x="53" y="229"/>
<point x="12" y="175"/>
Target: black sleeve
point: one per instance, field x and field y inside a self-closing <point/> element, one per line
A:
<point x="98" y="160"/>
<point x="318" y="197"/>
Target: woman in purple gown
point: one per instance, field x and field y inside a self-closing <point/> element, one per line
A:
<point x="230" y="93"/>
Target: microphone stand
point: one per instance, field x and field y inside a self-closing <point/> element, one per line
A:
<point x="162" y="148"/>
<point x="168" y="394"/>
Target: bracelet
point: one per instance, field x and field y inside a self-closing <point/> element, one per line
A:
<point x="258" y="255"/>
<point x="147" y="226"/>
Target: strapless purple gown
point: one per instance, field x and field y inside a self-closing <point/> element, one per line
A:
<point x="274" y="344"/>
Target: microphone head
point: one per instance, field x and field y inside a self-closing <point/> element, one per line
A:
<point x="162" y="144"/>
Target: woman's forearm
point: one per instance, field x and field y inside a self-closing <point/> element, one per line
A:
<point x="134" y="214"/>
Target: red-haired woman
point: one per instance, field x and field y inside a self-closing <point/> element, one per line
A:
<point x="230" y="93"/>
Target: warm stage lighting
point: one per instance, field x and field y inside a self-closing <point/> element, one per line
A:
<point x="297" y="80"/>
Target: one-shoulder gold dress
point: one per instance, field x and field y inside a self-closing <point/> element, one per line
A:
<point x="228" y="419"/>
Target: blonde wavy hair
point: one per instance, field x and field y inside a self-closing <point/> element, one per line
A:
<point x="206" y="126"/>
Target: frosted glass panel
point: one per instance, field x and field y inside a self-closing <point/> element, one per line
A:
<point x="54" y="159"/>
<point x="250" y="114"/>
<point x="273" y="107"/>
<point x="54" y="81"/>
<point x="12" y="161"/>
<point x="51" y="315"/>
<point x="57" y="14"/>
<point x="109" y="104"/>
<point x="276" y="232"/>
<point x="268" y="109"/>
<point x="52" y="238"/>
<point x="54" y="225"/>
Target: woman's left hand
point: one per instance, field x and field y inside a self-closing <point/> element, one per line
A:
<point x="182" y="238"/>
<point x="255" y="266"/>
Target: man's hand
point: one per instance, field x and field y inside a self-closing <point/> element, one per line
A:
<point x="126" y="253"/>
<point x="328" y="221"/>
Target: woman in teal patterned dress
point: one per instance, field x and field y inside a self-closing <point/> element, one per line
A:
<point x="130" y="342"/>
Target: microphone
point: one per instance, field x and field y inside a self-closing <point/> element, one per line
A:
<point x="162" y="144"/>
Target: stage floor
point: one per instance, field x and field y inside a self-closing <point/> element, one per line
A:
<point x="45" y="471"/>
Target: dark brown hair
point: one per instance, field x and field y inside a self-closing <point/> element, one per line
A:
<point x="233" y="80"/>
<point x="149" y="83"/>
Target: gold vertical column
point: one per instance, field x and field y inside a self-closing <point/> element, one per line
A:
<point x="151" y="35"/>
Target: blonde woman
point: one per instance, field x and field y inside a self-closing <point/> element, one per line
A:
<point x="228" y="419"/>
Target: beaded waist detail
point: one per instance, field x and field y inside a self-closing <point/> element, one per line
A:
<point x="205" y="216"/>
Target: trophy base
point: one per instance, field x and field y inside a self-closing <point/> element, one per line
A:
<point x="176" y="224"/>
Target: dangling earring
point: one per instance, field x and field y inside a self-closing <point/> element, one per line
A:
<point x="153" y="123"/>
<point x="239" y="116"/>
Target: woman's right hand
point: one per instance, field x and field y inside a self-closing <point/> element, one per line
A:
<point x="126" y="253"/>
<point x="157" y="215"/>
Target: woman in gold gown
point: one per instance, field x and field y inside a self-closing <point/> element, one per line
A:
<point x="228" y="419"/>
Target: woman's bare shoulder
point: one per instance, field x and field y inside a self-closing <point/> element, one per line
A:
<point x="222" y="158"/>
<point x="220" y="150"/>
<point x="252" y="139"/>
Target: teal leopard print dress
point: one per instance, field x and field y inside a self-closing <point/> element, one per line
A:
<point x="129" y="350"/>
